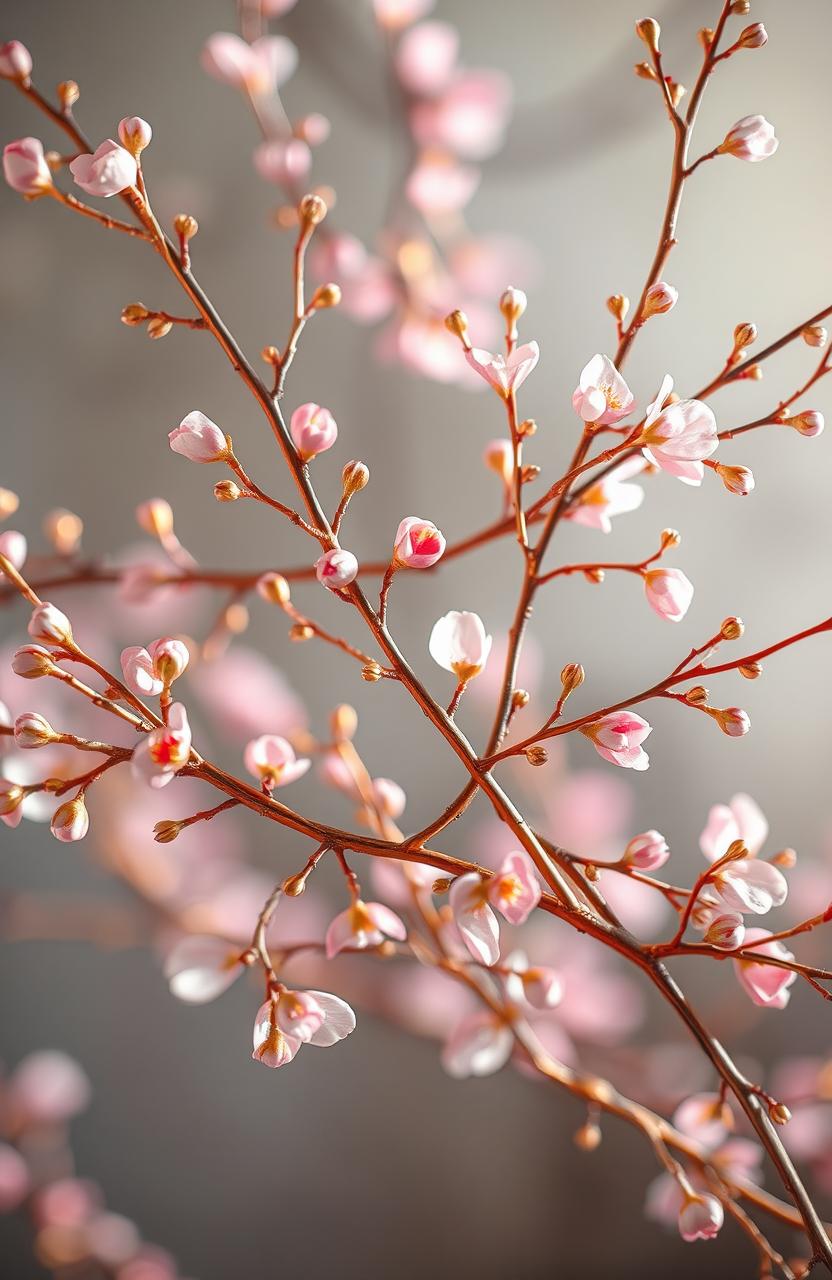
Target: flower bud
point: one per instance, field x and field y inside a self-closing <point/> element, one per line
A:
<point x="9" y="502"/>
<point x="32" y="730"/>
<point x="649" y="31"/>
<point x="49" y="625"/>
<point x="751" y="670"/>
<point x="68" y="94"/>
<point x="753" y="37"/>
<point x="227" y="491"/>
<point x="166" y="831"/>
<point x="778" y="1113"/>
<point x="31" y="661"/>
<point x="295" y="885"/>
<point x="671" y="538"/>
<point x="11" y="796"/>
<point x="644" y="72"/>
<point x="325" y="296"/>
<point x="170" y="659"/>
<point x="647" y="852"/>
<point x="371" y="673"/>
<point x="457" y="323"/>
<point x="696" y="696"/>
<point x="536" y="756"/>
<point x="744" y="335"/>
<point x="588" y="1137"/>
<point x="618" y="304"/>
<point x="135" y="313"/>
<point x="732" y="629"/>
<point x="158" y="327"/>
<point x="273" y="588"/>
<point x="786" y="858"/>
<point x="15" y="61"/>
<point x="301" y="632"/>
<point x="572" y="677"/>
<point x="726" y="931"/>
<point x="814" y="335"/>
<point x="809" y="424"/>
<point x="156" y="517"/>
<point x="185" y="226"/>
<point x="70" y="821"/>
<point x="336" y="568"/>
<point x="740" y="8"/>
<point x="520" y="699"/>
<point x="63" y="529"/>
<point x="344" y="722"/>
<point x="271" y="355"/>
<point x="733" y="721"/>
<point x="512" y="305"/>
<point x="660" y="297"/>
<point x="312" y="210"/>
<point x="739" y="480"/>
<point x="354" y="477"/>
<point x="134" y="134"/>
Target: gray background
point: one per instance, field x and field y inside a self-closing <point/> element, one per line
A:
<point x="377" y="1163"/>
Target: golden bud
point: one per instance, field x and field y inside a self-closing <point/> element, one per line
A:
<point x="754" y="372"/>
<point x="135" y="313"/>
<point x="644" y="71"/>
<point x="158" y="327"/>
<point x="68" y="93"/>
<point x="354" y="477"/>
<point x="457" y="323"/>
<point x="786" y="858"/>
<point x="572" y="677"/>
<point x="312" y="210"/>
<point x="164" y="832"/>
<point x="512" y="304"/>
<point x="527" y="427"/>
<point x="536" y="756"/>
<point x="744" y="335"/>
<point x="10" y="799"/>
<point x="273" y="588"/>
<point x="670" y="538"/>
<point x="706" y="37"/>
<point x="778" y="1113"/>
<point x="618" y="304"/>
<point x="344" y="722"/>
<point x="751" y="670"/>
<point x="236" y="618"/>
<point x="740" y="8"/>
<point x="442" y="884"/>
<point x="588" y="1137"/>
<point x="732" y="629"/>
<point x="519" y="699"/>
<point x="63" y="529"/>
<point x="227" y="491"/>
<point x="649" y="31"/>
<point x="594" y="575"/>
<point x="592" y="873"/>
<point x="9" y="502"/>
<point x="677" y="92"/>
<point x="328" y="295"/>
<point x="295" y="885"/>
<point x="300" y="632"/>
<point x="156" y="517"/>
<point x="371" y="672"/>
<point x="529" y="472"/>
<point x="736" y="850"/>
<point x="185" y="226"/>
<point x="814" y="335"/>
<point x="697" y="696"/>
<point x="271" y="355"/>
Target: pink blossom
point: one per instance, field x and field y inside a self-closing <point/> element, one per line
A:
<point x="31" y="730"/>
<point x="362" y="925"/>
<point x="647" y="852"/>
<point x="258" y="68"/>
<point x="284" y="161"/>
<point x="766" y="984"/>
<point x="48" y="1087"/>
<point x="70" y="821"/>
<point x="602" y="396"/>
<point x="751" y="138"/>
<point x="660" y="298"/>
<point x="437" y="187"/>
<point x="506" y="374"/>
<point x="15" y="61"/>
<point x="336" y="568"/>
<point x="700" y="1218"/>
<point x="313" y="430"/>
<point x="164" y="751"/>
<point x="480" y="1045"/>
<point x="271" y="1046"/>
<point x="49" y="625"/>
<point x="498" y="456"/>
<point x="389" y="797"/>
<point x="809" y="424"/>
<point x="533" y="985"/>
<point x="108" y="171"/>
<point x="200" y="968"/>
<point x="418" y="544"/>
<point x="733" y="721"/>
<point x="738" y="480"/>
<point x="135" y="134"/>
<point x="750" y="884"/>
<point x="458" y="643"/>
<point x="741" y="819"/>
<point x="272" y="760"/>
<point x="314" y="1017"/>
<point x="25" y="167"/>
<point x="617" y="737"/>
<point x="705" y="1117"/>
<point x="199" y="439"/>
<point x="469" y="118"/>
<point x="669" y="593"/>
<point x="726" y="931"/>
<point x="31" y="661"/>
<point x="146" y="671"/>
<point x="514" y="891"/>
<point x="14" y="547"/>
<point x="610" y="496"/>
<point x="426" y="57"/>
<point x="15" y="1184"/>
<point x="679" y="436"/>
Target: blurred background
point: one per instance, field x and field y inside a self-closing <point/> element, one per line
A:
<point x="373" y="1161"/>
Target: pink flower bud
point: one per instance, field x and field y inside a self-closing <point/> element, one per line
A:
<point x="766" y="984"/>
<point x="170" y="658"/>
<point x="418" y="544"/>
<point x="313" y="430"/>
<point x="199" y="439"/>
<point x="505" y="374"/>
<point x="32" y="730"/>
<point x="135" y="134"/>
<point x="647" y="852"/>
<point x="107" y="172"/>
<point x="165" y="750"/>
<point x="753" y="36"/>
<point x="733" y="721"/>
<point x="258" y="68"/>
<point x="726" y="931"/>
<point x="138" y="673"/>
<point x="459" y="644"/>
<point x="534" y="985"/>
<point x="362" y="925"/>
<point x="199" y="969"/>
<point x="810" y="423"/>
<point x="25" y="167"/>
<point x="272" y="760"/>
<point x="155" y="516"/>
<point x="660" y="297"/>
<point x="752" y="138"/>
<point x="49" y="625"/>
<point x="284" y="162"/>
<point x="336" y="568"/>
<point x="739" y="480"/>
<point x="700" y="1218"/>
<point x="31" y="661"/>
<point x="71" y="821"/>
<point x="15" y="61"/>
<point x="669" y="593"/>
<point x="480" y="1045"/>
<point x="617" y="737"/>
<point x="389" y="797"/>
<point x="499" y="456"/>
<point x="14" y="547"/>
<point x="48" y="1088"/>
